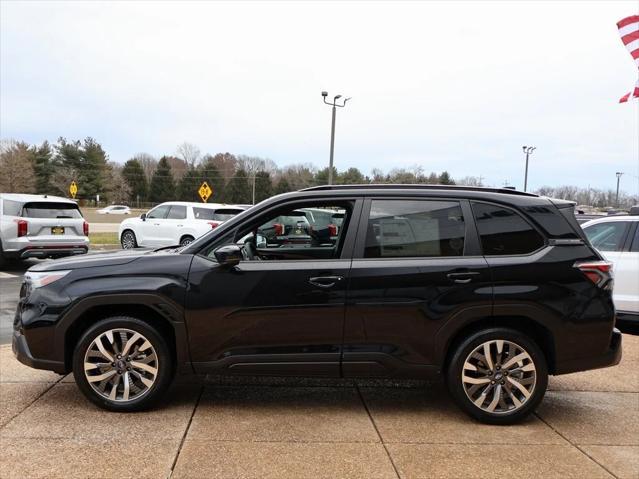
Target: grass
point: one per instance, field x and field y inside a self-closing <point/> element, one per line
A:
<point x="104" y="238"/>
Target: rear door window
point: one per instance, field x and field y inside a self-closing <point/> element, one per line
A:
<point x="51" y="210"/>
<point x="177" y="212"/>
<point x="419" y="228"/>
<point x="505" y="232"/>
<point x="607" y="236"/>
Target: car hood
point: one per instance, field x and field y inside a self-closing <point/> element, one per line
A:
<point x="91" y="260"/>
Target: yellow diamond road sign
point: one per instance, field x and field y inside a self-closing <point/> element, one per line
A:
<point x="205" y="191"/>
<point x="73" y="189"/>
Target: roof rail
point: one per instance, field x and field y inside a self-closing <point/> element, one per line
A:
<point x="391" y="186"/>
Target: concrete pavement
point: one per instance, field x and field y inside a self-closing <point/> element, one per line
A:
<point x="587" y="427"/>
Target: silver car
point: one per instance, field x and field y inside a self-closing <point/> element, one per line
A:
<point x="40" y="226"/>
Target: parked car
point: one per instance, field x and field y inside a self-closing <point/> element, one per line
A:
<point x="40" y="226"/>
<point x="290" y="228"/>
<point x="492" y="289"/>
<point x="617" y="239"/>
<point x="115" y="210"/>
<point x="174" y="223"/>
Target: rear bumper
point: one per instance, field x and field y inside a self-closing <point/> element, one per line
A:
<point x="51" y="251"/>
<point x="627" y="318"/>
<point x="610" y="358"/>
<point x="21" y="351"/>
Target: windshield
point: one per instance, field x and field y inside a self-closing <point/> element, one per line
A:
<point x="51" y="210"/>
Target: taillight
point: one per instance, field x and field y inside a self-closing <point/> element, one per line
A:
<point x="279" y="229"/>
<point x="214" y="224"/>
<point x="332" y="230"/>
<point x="85" y="228"/>
<point x="599" y="272"/>
<point x="22" y="228"/>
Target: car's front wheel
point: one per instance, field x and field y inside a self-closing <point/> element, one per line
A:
<point x="122" y="364"/>
<point x="498" y="375"/>
<point x="128" y="240"/>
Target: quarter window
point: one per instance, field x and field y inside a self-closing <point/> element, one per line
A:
<point x="11" y="208"/>
<point x="607" y="236"/>
<point x="504" y="232"/>
<point x="398" y="228"/>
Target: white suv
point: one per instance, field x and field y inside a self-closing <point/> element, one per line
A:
<point x="617" y="238"/>
<point x="174" y="223"/>
<point x="40" y="226"/>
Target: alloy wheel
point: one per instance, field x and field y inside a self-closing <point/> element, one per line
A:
<point x="121" y="365"/>
<point x="499" y="376"/>
<point x="128" y="240"/>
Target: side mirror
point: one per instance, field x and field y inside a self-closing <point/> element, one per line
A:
<point x="143" y="216"/>
<point x="228" y="255"/>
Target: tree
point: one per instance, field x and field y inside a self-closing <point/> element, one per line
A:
<point x="42" y="167"/>
<point x="237" y="190"/>
<point x="282" y="186"/>
<point x="116" y="189"/>
<point x="189" y="185"/>
<point x="189" y="153"/>
<point x="149" y="164"/>
<point x="321" y="177"/>
<point x="352" y="176"/>
<point x="471" y="181"/>
<point x="162" y="185"/>
<point x="88" y="163"/>
<point x="445" y="179"/>
<point x="178" y="167"/>
<point x="263" y="186"/>
<point x="17" y="168"/>
<point x="134" y="176"/>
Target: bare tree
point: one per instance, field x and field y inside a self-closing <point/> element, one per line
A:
<point x="189" y="153"/>
<point x="117" y="190"/>
<point x="17" y="168"/>
<point x="470" y="181"/>
<point x="149" y="164"/>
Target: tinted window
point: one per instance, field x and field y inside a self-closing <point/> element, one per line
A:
<point x="221" y="214"/>
<point x="503" y="231"/>
<point x="398" y="228"/>
<point x="11" y="208"/>
<point x="635" y="242"/>
<point x="51" y="210"/>
<point x="607" y="236"/>
<point x="159" y="212"/>
<point x="177" y="212"/>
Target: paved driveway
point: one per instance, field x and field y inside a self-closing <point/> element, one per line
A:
<point x="587" y="427"/>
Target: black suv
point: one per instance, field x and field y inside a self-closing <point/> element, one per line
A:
<point x="492" y="289"/>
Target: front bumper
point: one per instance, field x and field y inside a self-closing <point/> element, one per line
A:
<point x="611" y="357"/>
<point x="21" y="351"/>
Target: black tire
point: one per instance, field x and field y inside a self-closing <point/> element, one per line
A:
<point x="128" y="240"/>
<point x="3" y="261"/>
<point x="165" y="364"/>
<point x="456" y="370"/>
<point x="186" y="240"/>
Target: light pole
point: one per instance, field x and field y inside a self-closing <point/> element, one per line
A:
<point x="334" y="104"/>
<point x="528" y="150"/>
<point x="618" y="173"/>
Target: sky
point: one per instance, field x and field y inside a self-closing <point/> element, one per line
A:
<point x="456" y="86"/>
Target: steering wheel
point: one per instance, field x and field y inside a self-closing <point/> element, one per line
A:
<point x="249" y="251"/>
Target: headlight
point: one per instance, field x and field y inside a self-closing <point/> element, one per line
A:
<point x="38" y="280"/>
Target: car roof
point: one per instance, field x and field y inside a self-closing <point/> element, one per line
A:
<point x="611" y="219"/>
<point x="201" y="205"/>
<point x="25" y="198"/>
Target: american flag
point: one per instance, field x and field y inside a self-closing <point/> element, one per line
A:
<point x="629" y="32"/>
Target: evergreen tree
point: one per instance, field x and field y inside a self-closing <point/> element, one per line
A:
<point x="263" y="186"/>
<point x="162" y="185"/>
<point x="445" y="179"/>
<point x="211" y="174"/>
<point x="237" y="191"/>
<point x="352" y="176"/>
<point x="134" y="177"/>
<point x="94" y="169"/>
<point x="189" y="185"/>
<point x="321" y="177"/>
<point x="42" y="157"/>
<point x="283" y="186"/>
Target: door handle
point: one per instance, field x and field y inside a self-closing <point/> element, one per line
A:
<point x="325" y="281"/>
<point x="462" y="277"/>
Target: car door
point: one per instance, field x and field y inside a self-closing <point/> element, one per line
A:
<point x="416" y="265"/>
<point x="614" y="240"/>
<point x="280" y="314"/>
<point x="172" y="227"/>
<point x="151" y="226"/>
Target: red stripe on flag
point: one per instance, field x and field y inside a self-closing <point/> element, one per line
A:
<point x="624" y="98"/>
<point x="627" y="21"/>
<point x="635" y="53"/>
<point x="630" y="37"/>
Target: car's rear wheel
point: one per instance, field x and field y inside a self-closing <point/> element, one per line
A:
<point x="185" y="240"/>
<point x="128" y="240"/>
<point x="498" y="375"/>
<point x="122" y="364"/>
